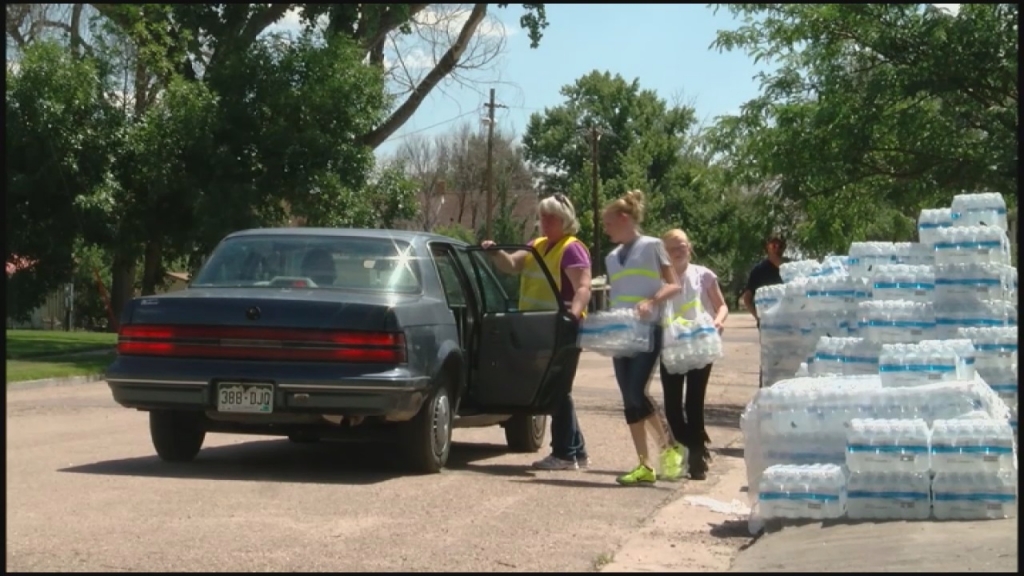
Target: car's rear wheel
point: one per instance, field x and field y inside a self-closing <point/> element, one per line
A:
<point x="177" y="436"/>
<point x="525" y="433"/>
<point x="427" y="439"/>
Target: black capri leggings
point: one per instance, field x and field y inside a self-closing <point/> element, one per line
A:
<point x="633" y="374"/>
<point x="685" y="412"/>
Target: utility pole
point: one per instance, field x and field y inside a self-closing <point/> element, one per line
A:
<point x="489" y="176"/>
<point x="595" y="137"/>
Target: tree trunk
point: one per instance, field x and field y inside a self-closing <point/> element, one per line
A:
<point x="151" y="268"/>
<point x="122" y="288"/>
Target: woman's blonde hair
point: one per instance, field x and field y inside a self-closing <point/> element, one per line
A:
<point x="631" y="204"/>
<point x="679" y="233"/>
<point x="559" y="205"/>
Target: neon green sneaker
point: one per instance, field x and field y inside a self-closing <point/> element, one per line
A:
<point x="672" y="459"/>
<point x="642" y="474"/>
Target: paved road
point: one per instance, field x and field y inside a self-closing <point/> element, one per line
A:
<point x="85" y="492"/>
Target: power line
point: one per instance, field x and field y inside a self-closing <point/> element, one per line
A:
<point x="432" y="126"/>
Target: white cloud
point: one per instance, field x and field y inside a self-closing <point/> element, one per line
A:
<point x="454" y="20"/>
<point x="953" y="9"/>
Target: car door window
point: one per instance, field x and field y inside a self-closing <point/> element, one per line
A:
<point x="445" y="263"/>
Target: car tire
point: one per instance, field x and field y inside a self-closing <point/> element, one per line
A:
<point x="177" y="436"/>
<point x="525" y="433"/>
<point x="426" y="440"/>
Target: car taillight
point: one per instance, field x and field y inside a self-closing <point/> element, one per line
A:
<point x="244" y="343"/>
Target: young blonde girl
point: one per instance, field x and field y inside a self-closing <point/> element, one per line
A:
<point x="640" y="276"/>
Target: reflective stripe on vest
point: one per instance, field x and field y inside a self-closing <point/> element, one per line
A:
<point x="534" y="289"/>
<point x="638" y="279"/>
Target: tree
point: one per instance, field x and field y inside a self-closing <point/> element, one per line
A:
<point x="451" y="173"/>
<point x="58" y="139"/>
<point x="875" y="112"/>
<point x="642" y="138"/>
<point x="195" y="39"/>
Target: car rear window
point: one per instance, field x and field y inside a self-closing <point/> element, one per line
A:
<point x="312" y="262"/>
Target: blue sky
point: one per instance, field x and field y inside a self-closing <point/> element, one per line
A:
<point x="666" y="46"/>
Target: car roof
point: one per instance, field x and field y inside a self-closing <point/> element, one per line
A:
<point x="411" y="236"/>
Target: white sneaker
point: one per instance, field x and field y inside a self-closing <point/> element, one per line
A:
<point x="583" y="464"/>
<point x="554" y="463"/>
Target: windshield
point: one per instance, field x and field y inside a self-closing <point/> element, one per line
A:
<point x="315" y="262"/>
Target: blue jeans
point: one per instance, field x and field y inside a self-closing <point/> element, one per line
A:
<point x="633" y="374"/>
<point x="567" y="440"/>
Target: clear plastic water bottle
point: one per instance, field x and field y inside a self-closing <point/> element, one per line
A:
<point x="972" y="446"/>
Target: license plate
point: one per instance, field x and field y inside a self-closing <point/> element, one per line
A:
<point x="246" y="398"/>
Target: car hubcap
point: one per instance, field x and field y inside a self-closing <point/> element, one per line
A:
<point x="539" y="423"/>
<point x="442" y="423"/>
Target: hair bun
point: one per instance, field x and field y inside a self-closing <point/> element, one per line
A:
<point x="635" y="198"/>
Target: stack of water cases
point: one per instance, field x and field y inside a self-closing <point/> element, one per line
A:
<point x="905" y="356"/>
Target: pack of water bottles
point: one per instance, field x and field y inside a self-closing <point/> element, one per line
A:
<point x="930" y="222"/>
<point x="849" y="356"/>
<point x="896" y="321"/>
<point x="924" y="363"/>
<point x="690" y="344"/>
<point x="816" y="491"/>
<point x="975" y="469"/>
<point x="985" y="209"/>
<point x="966" y="244"/>
<point x="996" y="362"/>
<point x="618" y="332"/>
<point x="915" y="283"/>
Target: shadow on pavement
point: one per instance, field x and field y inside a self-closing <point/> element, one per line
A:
<point x="283" y="461"/>
<point x="722" y="415"/>
<point x="729" y="451"/>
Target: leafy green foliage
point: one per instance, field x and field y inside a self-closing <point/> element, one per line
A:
<point x="641" y="138"/>
<point x="457" y="231"/>
<point x="58" y="147"/>
<point x="875" y="111"/>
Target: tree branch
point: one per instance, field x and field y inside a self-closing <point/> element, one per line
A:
<point x="443" y="67"/>
<point x="388" y="23"/>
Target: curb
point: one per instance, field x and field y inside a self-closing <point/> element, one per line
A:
<point x="49" y="382"/>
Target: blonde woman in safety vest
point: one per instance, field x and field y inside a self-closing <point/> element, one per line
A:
<point x="700" y="290"/>
<point x="640" y="277"/>
<point x="569" y="263"/>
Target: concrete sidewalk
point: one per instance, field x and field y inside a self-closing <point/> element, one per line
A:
<point x="931" y="546"/>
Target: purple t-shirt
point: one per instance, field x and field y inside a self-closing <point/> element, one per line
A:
<point x="575" y="256"/>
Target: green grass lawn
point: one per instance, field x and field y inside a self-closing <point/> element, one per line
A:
<point x="26" y="344"/>
<point x="60" y="367"/>
<point x="40" y="354"/>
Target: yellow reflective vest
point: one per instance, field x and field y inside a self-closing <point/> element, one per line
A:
<point x="534" y="289"/>
<point x="638" y="278"/>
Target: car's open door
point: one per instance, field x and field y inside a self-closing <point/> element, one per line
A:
<point x="525" y="360"/>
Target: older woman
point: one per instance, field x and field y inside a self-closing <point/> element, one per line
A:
<point x="686" y="414"/>
<point x="569" y="262"/>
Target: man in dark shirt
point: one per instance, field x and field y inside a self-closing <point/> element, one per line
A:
<point x="765" y="273"/>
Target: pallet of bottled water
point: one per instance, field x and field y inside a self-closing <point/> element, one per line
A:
<point x="617" y="332"/>
<point x="846" y="356"/>
<point x="690" y="344"/>
<point x="813" y="492"/>
<point x="807" y="420"/>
